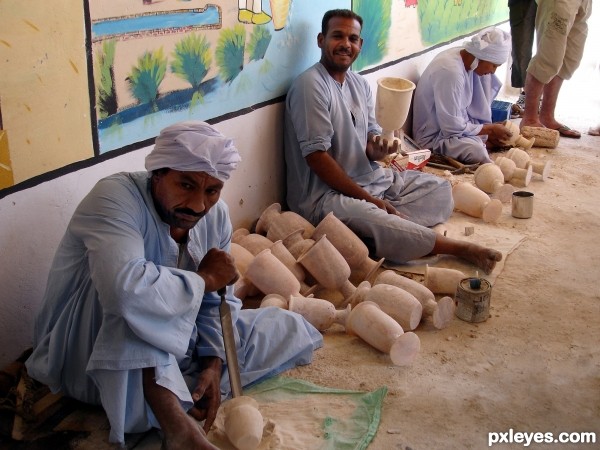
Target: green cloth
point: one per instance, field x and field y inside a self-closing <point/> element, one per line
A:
<point x="354" y="431"/>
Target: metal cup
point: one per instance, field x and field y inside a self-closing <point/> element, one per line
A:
<point x="522" y="204"/>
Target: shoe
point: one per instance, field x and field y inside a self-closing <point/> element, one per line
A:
<point x="595" y="131"/>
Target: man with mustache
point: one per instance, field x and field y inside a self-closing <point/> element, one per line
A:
<point x="332" y="146"/>
<point x="130" y="317"/>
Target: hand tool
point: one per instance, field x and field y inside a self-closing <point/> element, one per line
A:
<point x="229" y="343"/>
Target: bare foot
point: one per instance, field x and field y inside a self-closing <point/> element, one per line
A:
<point x="483" y="257"/>
<point x="189" y="436"/>
<point x="526" y="123"/>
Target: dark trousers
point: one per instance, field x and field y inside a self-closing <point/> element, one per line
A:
<point x="522" y="31"/>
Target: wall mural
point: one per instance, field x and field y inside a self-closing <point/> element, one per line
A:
<point x="156" y="62"/>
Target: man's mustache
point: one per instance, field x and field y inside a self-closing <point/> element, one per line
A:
<point x="189" y="212"/>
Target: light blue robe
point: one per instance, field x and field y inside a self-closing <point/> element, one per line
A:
<point x="323" y="115"/>
<point x="121" y="297"/>
<point x="450" y="107"/>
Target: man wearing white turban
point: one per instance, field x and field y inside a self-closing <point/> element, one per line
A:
<point x="130" y="315"/>
<point x="452" y="112"/>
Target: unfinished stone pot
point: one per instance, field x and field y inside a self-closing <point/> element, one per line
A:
<point x="441" y="280"/>
<point x="441" y="312"/>
<point x="296" y="243"/>
<point x="277" y="225"/>
<point x="523" y="160"/>
<point x="371" y="324"/>
<point x="399" y="304"/>
<point x="243" y="287"/>
<point x="473" y="201"/>
<point x="255" y="243"/>
<point x="489" y="178"/>
<point x="320" y="313"/>
<point x="271" y="276"/>
<point x="352" y="248"/>
<point x="512" y="174"/>
<point x="517" y="139"/>
<point x="328" y="267"/>
<point x="243" y="422"/>
<point x="544" y="137"/>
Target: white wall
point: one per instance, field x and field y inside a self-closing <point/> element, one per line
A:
<point x="33" y="220"/>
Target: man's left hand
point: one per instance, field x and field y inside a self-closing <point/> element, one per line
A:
<point x="207" y="394"/>
<point x="378" y="148"/>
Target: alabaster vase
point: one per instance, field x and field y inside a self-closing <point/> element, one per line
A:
<point x="476" y="203"/>
<point x="440" y="280"/>
<point x="255" y="243"/>
<point x="243" y="422"/>
<point x="274" y="300"/>
<point x="523" y="160"/>
<point x="393" y="99"/>
<point x="281" y="252"/>
<point x="320" y="313"/>
<point x="351" y="247"/>
<point x="441" y="312"/>
<point x="512" y="174"/>
<point x="328" y="267"/>
<point x="271" y="276"/>
<point x="517" y="139"/>
<point x="378" y="329"/>
<point x="296" y="243"/>
<point x="489" y="178"/>
<point x="277" y="225"/>
<point x="242" y="257"/>
<point x="399" y="304"/>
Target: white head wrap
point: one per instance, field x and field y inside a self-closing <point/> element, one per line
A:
<point x="491" y="44"/>
<point x="194" y="146"/>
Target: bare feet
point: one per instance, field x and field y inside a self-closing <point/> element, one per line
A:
<point x="189" y="436"/>
<point x="483" y="257"/>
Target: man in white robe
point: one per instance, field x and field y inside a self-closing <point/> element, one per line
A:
<point x="130" y="313"/>
<point x="452" y="112"/>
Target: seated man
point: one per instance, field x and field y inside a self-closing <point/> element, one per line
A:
<point x="131" y="313"/>
<point x="332" y="146"/>
<point x="452" y="106"/>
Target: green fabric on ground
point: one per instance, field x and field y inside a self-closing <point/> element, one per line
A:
<point x="351" y="430"/>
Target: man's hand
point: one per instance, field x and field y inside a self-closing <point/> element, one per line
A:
<point x="207" y="394"/>
<point x="498" y="135"/>
<point x="218" y="270"/>
<point x="387" y="206"/>
<point x="378" y="148"/>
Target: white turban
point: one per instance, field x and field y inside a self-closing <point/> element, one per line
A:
<point x="491" y="44"/>
<point x="194" y="146"/>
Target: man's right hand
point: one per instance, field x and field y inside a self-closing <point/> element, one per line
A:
<point x="218" y="270"/>
<point x="387" y="206"/>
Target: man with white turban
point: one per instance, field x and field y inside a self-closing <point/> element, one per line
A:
<point x="130" y="317"/>
<point x="452" y="112"/>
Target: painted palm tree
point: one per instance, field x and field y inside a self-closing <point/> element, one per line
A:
<point x="191" y="61"/>
<point x="105" y="76"/>
<point x="145" y="78"/>
<point x="230" y="52"/>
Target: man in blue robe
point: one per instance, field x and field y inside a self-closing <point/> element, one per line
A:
<point x="130" y="317"/>
<point x="332" y="152"/>
<point x="452" y="112"/>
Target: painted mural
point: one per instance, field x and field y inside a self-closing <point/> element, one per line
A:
<point x="156" y="62"/>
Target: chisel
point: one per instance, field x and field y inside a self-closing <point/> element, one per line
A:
<point x="230" y="348"/>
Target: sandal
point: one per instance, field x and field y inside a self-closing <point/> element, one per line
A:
<point x="565" y="131"/>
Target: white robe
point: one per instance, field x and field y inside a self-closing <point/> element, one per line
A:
<point x="450" y="107"/>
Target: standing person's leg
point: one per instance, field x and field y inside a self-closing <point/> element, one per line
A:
<point x="522" y="30"/>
